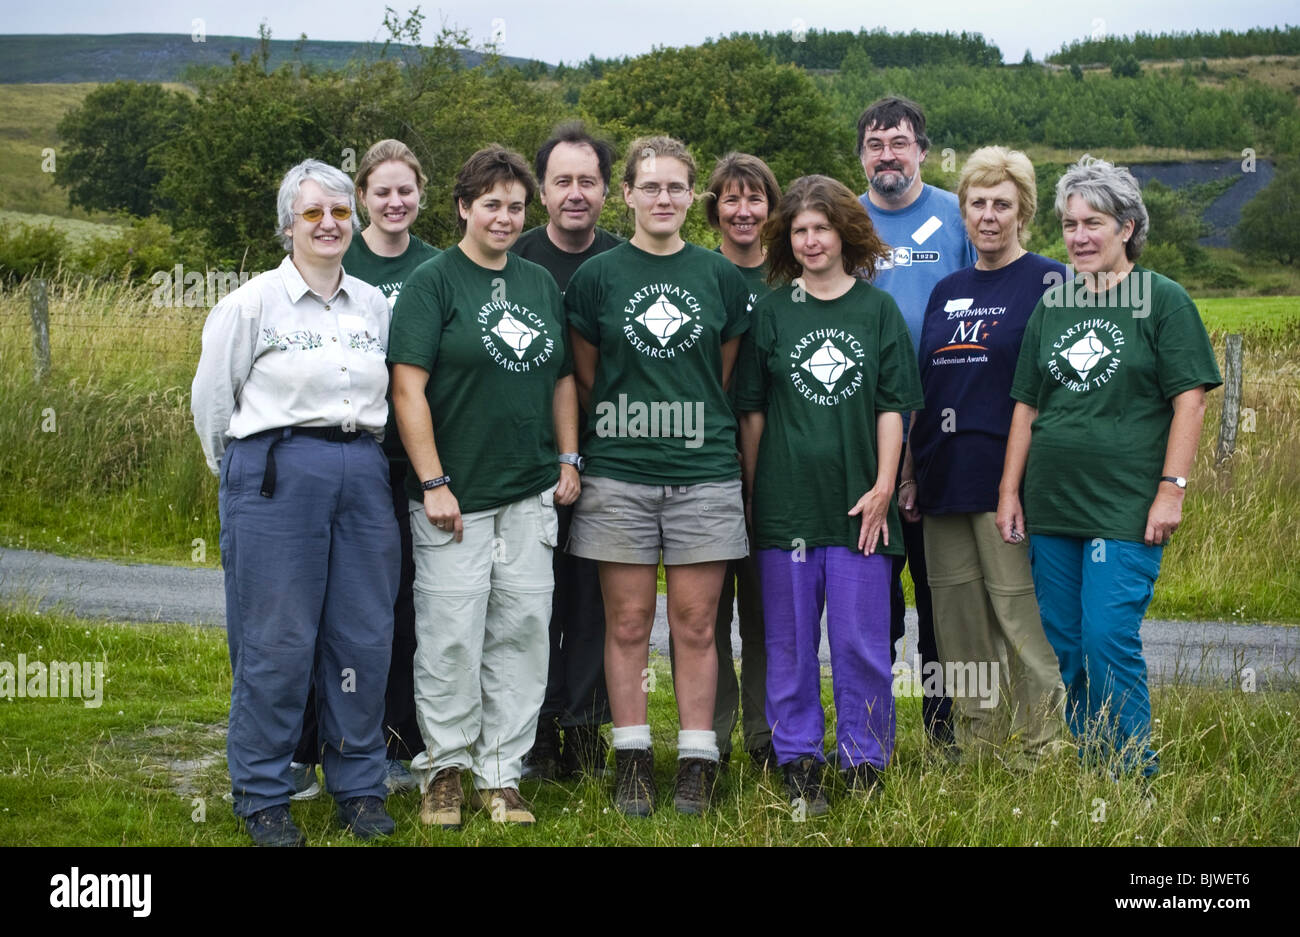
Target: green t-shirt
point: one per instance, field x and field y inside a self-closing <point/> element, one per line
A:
<point x="659" y="415"/>
<point x="493" y="343"/>
<point x="822" y="371"/>
<point x="388" y="274"/>
<point x="536" y="246"/>
<point x="1102" y="376"/>
<point x="756" y="279"/>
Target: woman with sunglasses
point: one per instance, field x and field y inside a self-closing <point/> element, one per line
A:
<point x="390" y="186"/>
<point x="655" y="326"/>
<point x="289" y="405"/>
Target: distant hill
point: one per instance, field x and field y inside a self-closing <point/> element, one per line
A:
<point x="163" y="57"/>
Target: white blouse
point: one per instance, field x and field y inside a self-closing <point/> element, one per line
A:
<point x="277" y="354"/>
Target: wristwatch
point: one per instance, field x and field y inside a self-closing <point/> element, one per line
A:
<point x="438" y="482"/>
<point x="572" y="458"/>
<point x="1175" y="480"/>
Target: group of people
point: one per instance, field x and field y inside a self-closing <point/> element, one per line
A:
<point x="847" y="385"/>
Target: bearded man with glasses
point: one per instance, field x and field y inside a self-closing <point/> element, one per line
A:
<point x="923" y="227"/>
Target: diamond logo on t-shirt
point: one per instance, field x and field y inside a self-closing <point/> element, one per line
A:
<point x="826" y="359"/>
<point x="827" y="365"/>
<point x="662" y="319"/>
<point x="515" y="334"/>
<point x="1086" y="354"/>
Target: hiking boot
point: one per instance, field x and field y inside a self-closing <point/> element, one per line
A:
<point x="274" y="827"/>
<point x="305" y="785"/>
<point x="397" y="778"/>
<point x="762" y="757"/>
<point x="505" y="804"/>
<point x="695" y="780"/>
<point x="542" y="763"/>
<point x="585" y="752"/>
<point x="863" y="780"/>
<point x="634" y="781"/>
<point x="440" y="804"/>
<point x="803" y="785"/>
<point x="365" y="817"/>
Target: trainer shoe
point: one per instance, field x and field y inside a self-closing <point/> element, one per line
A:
<point x="585" y="752"/>
<point x="274" y="827"/>
<point x="365" y="817"/>
<point x="803" y="785"/>
<point x="440" y="805"/>
<point x="542" y="763"/>
<point x="504" y="805"/>
<point x="397" y="778"/>
<point x="634" y="781"/>
<point x="695" y="780"/>
<point x="305" y="785"/>
<point x="863" y="780"/>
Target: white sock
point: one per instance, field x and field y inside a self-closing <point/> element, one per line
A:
<point x="697" y="743"/>
<point x="631" y="737"/>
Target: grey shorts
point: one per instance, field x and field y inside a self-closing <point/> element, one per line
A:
<point x="622" y="522"/>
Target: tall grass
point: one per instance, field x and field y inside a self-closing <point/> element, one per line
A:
<point x="101" y="458"/>
<point x="121" y="474"/>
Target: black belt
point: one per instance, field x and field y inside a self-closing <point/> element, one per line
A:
<point x="327" y="433"/>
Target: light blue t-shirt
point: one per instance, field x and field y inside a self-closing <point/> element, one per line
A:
<point x="929" y="242"/>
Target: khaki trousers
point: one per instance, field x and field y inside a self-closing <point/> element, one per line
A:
<point x="986" y="614"/>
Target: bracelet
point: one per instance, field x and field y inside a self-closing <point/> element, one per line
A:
<point x="909" y="481"/>
<point x="436" y="482"/>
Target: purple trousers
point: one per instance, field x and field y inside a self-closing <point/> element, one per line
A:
<point x="854" y="590"/>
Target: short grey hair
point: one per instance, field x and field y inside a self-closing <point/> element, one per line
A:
<point x="1111" y="190"/>
<point x="332" y="180"/>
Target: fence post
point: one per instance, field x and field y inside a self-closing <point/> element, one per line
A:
<point x="41" y="328"/>
<point x="1231" y="399"/>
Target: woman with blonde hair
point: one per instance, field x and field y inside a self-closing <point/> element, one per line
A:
<point x="985" y="613"/>
<point x="655" y="325"/>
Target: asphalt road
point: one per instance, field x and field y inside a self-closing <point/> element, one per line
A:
<point x="1202" y="652"/>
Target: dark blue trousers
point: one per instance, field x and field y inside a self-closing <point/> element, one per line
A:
<point x="311" y="576"/>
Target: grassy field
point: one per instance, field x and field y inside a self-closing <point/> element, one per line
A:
<point x="101" y="460"/>
<point x="147" y="767"/>
<point x="28" y="116"/>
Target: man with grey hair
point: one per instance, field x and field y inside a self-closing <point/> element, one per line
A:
<point x="923" y="226"/>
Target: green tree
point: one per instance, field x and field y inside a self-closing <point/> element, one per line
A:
<point x="112" y="145"/>
<point x="249" y="126"/>
<point x="1175" y="223"/>
<point x="725" y="96"/>
<point x="1270" y="222"/>
<point x="1126" y="66"/>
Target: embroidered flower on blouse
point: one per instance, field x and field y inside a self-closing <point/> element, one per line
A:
<point x="364" y="341"/>
<point x="302" y="339"/>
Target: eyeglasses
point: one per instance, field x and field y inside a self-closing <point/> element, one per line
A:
<point x="898" y="145"/>
<point x="316" y="213"/>
<point x="652" y="189"/>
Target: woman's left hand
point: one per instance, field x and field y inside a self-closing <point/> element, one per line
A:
<point x="1165" y="515"/>
<point x="570" y="486"/>
<point x="874" y="508"/>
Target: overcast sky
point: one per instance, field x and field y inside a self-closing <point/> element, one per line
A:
<point x="570" y="30"/>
